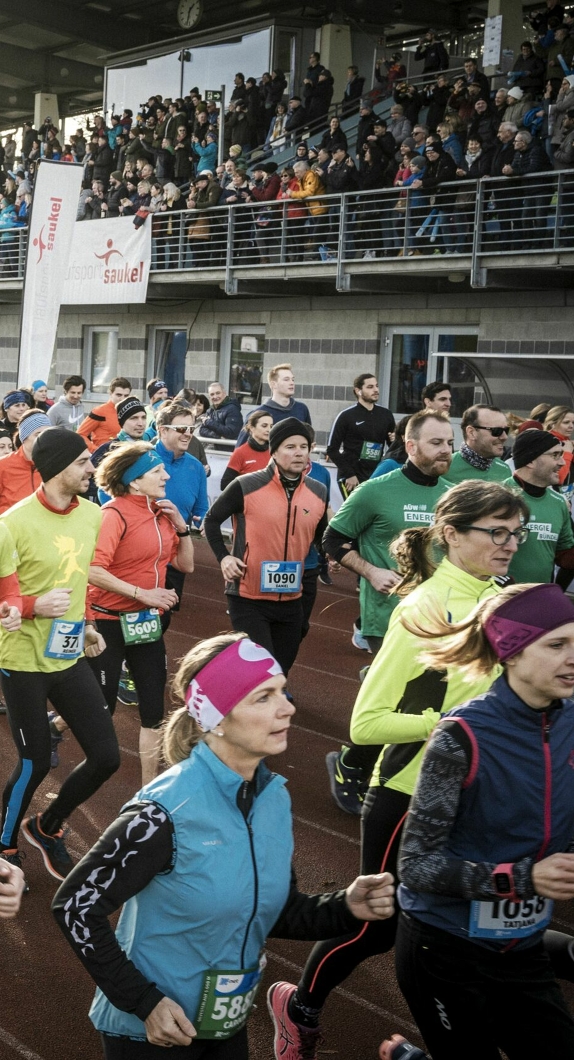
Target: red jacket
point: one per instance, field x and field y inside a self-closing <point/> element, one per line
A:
<point x="18" y="479"/>
<point x="100" y="425"/>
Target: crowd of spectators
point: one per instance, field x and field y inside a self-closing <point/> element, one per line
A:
<point x="445" y="130"/>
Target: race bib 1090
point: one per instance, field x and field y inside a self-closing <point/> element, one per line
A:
<point x="283" y="577"/>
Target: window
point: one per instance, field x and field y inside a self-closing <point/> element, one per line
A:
<point x="419" y="355"/>
<point x="100" y="358"/>
<point x="241" y="370"/>
<point x="167" y="350"/>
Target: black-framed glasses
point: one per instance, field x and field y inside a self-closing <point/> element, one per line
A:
<point x="496" y="432"/>
<point x="499" y="535"/>
<point x="180" y="428"/>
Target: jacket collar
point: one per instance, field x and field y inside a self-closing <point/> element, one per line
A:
<point x="457" y="578"/>
<point x="227" y="779"/>
<point x="518" y="707"/>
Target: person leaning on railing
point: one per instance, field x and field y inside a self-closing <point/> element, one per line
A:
<point x="201" y="228"/>
<point x="309" y="185"/>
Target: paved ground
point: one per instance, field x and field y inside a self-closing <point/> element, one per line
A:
<point x="45" y="993"/>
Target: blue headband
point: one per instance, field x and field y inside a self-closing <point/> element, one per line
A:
<point x="32" y="422"/>
<point x="16" y="398"/>
<point x="144" y="463"/>
<point x="38" y="383"/>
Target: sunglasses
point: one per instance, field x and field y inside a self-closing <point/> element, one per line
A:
<point x="499" y="535"/>
<point x="181" y="429"/>
<point x="496" y="432"/>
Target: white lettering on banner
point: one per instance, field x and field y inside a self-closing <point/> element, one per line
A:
<point x="543" y="531"/>
<point x="109" y="262"/>
<point x="56" y="190"/>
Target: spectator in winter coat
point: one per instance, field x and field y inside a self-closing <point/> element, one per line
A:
<point x="333" y="135"/>
<point x="312" y="75"/>
<point x="276" y="133"/>
<point x="165" y="160"/>
<point x="394" y="71"/>
<point x="240" y="90"/>
<point x="224" y="418"/>
<point x="529" y="214"/>
<point x="484" y="124"/>
<point x="318" y="96"/>
<point x="450" y="142"/>
<point x="432" y="52"/>
<point x="353" y="91"/>
<point x="562" y="47"/>
<point x="275" y="90"/>
<point x="382" y="140"/>
<point x="296" y="117"/>
<point x="408" y="97"/>
<point x="539" y="19"/>
<point x="135" y="148"/>
<point x="254" y="110"/>
<point x="206" y="153"/>
<point x="564" y="102"/>
<point x="436" y="95"/>
<point x="93" y="203"/>
<point x="365" y="127"/>
<point x="473" y="76"/>
<point x="528" y="71"/>
<point x="30" y="134"/>
<point x="239" y="127"/>
<point x="341" y="173"/>
<point x="564" y="154"/>
<point x="517" y="106"/>
<point x="182" y="156"/>
<point x="117" y="192"/>
<point x="399" y="126"/>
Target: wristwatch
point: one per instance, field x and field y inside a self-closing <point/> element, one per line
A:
<point x="184" y="533"/>
<point x="503" y="878"/>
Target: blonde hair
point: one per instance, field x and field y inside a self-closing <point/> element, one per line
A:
<point x="463" y="644"/>
<point x="180" y="731"/>
<point x="555" y="415"/>
<point x="273" y="373"/>
<point x="415" y="549"/>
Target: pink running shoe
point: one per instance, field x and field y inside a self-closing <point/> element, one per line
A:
<point x="291" y="1042"/>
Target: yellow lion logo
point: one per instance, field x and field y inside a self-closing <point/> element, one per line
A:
<point x="69" y="554"/>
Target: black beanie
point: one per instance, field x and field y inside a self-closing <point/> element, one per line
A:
<point x="128" y="407"/>
<point x="55" y="449"/>
<point x="531" y="444"/>
<point x="286" y="429"/>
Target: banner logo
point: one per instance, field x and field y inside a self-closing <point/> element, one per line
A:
<point x="52" y="222"/>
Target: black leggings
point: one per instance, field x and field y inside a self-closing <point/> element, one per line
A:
<point x="470" y="1002"/>
<point x="329" y="963"/>
<point x="275" y="624"/>
<point x="127" y="1049"/>
<point x="309" y="587"/>
<point x="148" y="667"/>
<point x="76" y="696"/>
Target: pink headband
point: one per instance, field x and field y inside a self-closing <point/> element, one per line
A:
<point x="226" y="680"/>
<point x="525" y="618"/>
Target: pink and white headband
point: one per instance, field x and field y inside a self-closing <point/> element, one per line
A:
<point x="226" y="680"/>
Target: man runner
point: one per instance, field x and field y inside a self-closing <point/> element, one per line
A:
<point x="485" y="430"/>
<point x="359" y="435"/>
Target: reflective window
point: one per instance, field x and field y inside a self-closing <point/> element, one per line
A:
<point x="100" y="358"/>
<point x="246" y="368"/>
<point x="409" y="366"/>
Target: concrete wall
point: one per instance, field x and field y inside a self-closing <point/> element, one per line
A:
<point x="328" y="340"/>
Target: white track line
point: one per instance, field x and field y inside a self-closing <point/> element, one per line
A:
<point x="328" y="831"/>
<point x="361" y="1001"/>
<point x="18" y="1047"/>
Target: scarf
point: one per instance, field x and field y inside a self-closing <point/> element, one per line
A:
<point x="472" y="458"/>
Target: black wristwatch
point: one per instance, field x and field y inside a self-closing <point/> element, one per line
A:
<point x="184" y="533"/>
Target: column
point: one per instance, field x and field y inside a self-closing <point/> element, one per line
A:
<point x="336" y="55"/>
<point x="512" y="26"/>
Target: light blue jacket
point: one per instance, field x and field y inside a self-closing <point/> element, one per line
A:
<point x="228" y="885"/>
<point x="187" y="485"/>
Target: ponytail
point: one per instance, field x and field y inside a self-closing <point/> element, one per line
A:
<point x="412" y="554"/>
<point x="180" y="735"/>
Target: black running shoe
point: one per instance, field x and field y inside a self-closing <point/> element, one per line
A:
<point x="348" y="786"/>
<point x="55" y="739"/>
<point x="52" y="847"/>
<point x="15" y="858"/>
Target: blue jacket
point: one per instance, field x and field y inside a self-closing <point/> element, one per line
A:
<point x="207" y="156"/>
<point x="225" y="421"/>
<point x="223" y="895"/>
<point x="280" y="412"/>
<point x="386" y="465"/>
<point x="518" y="800"/>
<point x="187" y="485"/>
<point x="321" y="474"/>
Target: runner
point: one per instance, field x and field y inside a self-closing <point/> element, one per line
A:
<point x="14" y="405"/>
<point x="359" y="435"/>
<point x="277" y="514"/>
<point x="538" y="457"/>
<point x="359" y="537"/>
<point x="101" y="424"/>
<point x="253" y="455"/>
<point x="187" y="958"/>
<point x="400" y="703"/>
<point x="157" y="393"/>
<point x="69" y="412"/>
<point x="55" y="536"/>
<point x="141" y="533"/>
<point x="18" y="476"/>
<point x="485" y="430"/>
<point x="437" y="395"/>
<point x="477" y="890"/>
<point x="281" y="405"/>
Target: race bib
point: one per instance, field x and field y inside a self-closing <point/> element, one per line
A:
<point x="371" y="451"/>
<point x="65" y="640"/>
<point x="226" y="1001"/>
<point x="284" y="577"/>
<point x="141" y="627"/>
<point x="506" y="919"/>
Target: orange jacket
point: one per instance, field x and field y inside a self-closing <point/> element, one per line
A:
<point x="100" y="425"/>
<point x="308" y="186"/>
<point x="18" y="479"/>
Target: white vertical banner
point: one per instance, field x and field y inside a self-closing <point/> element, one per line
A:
<point x="492" y="41"/>
<point x="56" y="193"/>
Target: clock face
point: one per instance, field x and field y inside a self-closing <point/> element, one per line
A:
<point x="189" y="13"/>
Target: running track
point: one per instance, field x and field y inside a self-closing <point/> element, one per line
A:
<point x="45" y="993"/>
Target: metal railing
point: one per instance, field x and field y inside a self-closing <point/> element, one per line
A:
<point x="480" y="225"/>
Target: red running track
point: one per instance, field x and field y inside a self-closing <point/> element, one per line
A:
<point x="45" y="993"/>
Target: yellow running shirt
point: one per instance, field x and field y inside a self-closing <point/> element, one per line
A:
<point x="54" y="550"/>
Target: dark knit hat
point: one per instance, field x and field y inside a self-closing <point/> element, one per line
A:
<point x="117" y="174"/>
<point x="524" y="618"/>
<point x="128" y="407"/>
<point x="531" y="444"/>
<point x="55" y="449"/>
<point x="153" y="388"/>
<point x="286" y="429"/>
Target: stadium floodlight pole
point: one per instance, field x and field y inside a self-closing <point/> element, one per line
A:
<point x="221" y="148"/>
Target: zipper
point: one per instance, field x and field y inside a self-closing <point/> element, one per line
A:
<point x="294" y="521"/>
<point x="255" y="881"/>
<point x="288" y="520"/>
<point x="157" y="530"/>
<point x="547" y="784"/>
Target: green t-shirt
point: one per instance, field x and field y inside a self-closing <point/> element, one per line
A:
<point x="550" y="532"/>
<point x="53" y="551"/>
<point x="460" y="470"/>
<point x="374" y="514"/>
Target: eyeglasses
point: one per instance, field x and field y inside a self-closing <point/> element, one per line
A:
<point x="496" y="432"/>
<point x="180" y="428"/>
<point x="499" y="535"/>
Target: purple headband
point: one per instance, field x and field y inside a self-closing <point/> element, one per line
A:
<point x="527" y="617"/>
<point x="226" y="680"/>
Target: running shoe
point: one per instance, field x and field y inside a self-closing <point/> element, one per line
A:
<point x="56" y="737"/>
<point x="15" y="858"/>
<point x="291" y="1041"/>
<point x="359" y="641"/>
<point x="324" y="576"/>
<point x="52" y="847"/>
<point x="348" y="786"/>
<point x="127" y="690"/>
